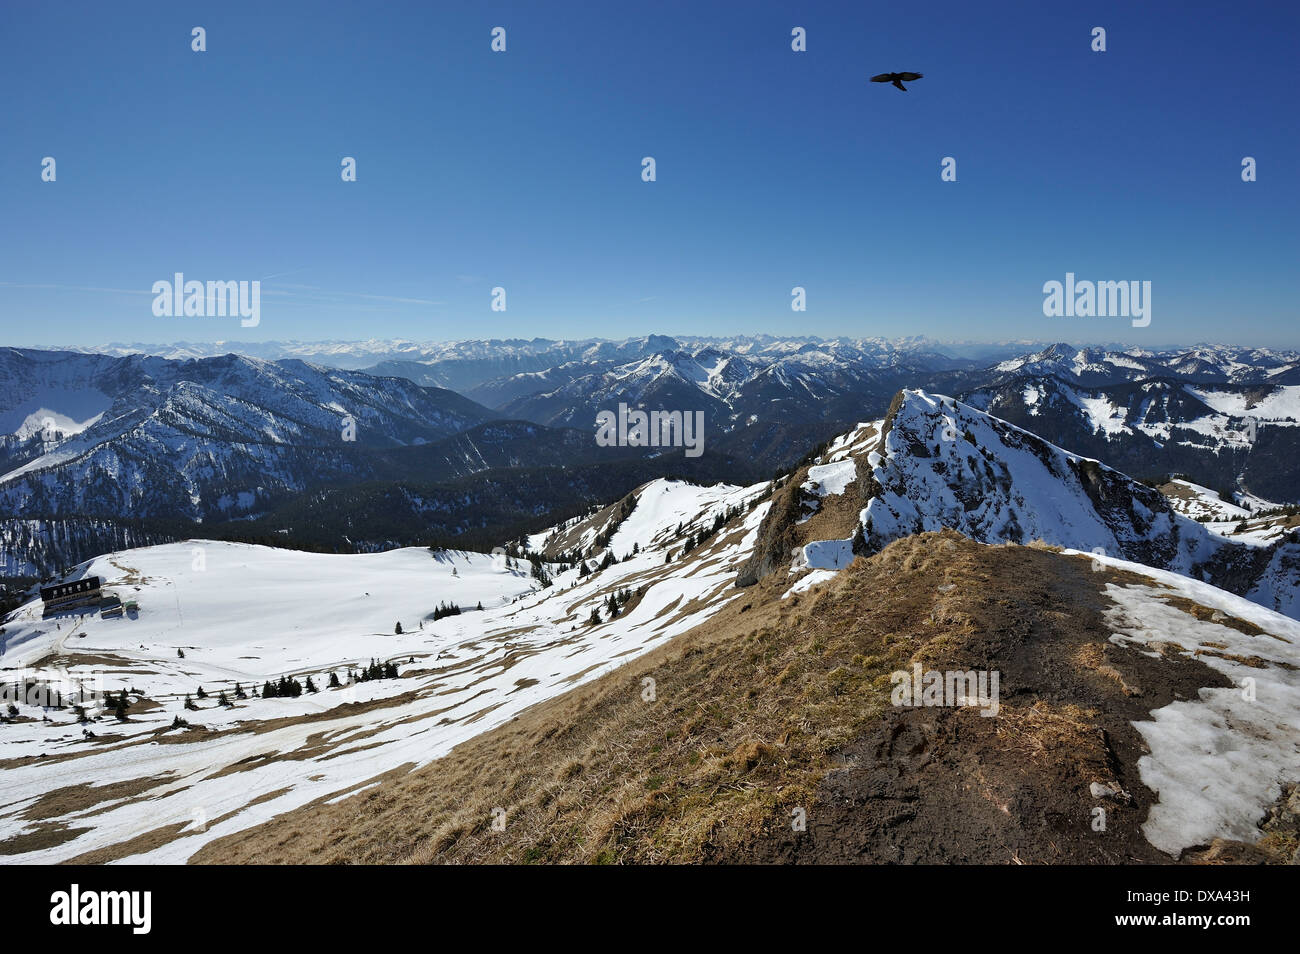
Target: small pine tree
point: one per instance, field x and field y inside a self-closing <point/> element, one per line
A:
<point x="859" y="542"/>
<point x="180" y="653"/>
<point x="311" y="686"/>
<point x="397" y="631"/>
<point x="201" y="694"/>
<point x="189" y="703"/>
<point x="334" y="680"/>
<point x="120" y="710"/>
<point x="222" y="700"/>
<point x="239" y="692"/>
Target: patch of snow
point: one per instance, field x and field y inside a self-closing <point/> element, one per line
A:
<point x="831" y="479"/>
<point x="1219" y="761"/>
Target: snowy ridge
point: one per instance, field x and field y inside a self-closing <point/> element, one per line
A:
<point x="211" y="438"/>
<point x="944" y="464"/>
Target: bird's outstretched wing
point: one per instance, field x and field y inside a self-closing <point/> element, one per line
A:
<point x="908" y="77"/>
<point x="883" y="78"/>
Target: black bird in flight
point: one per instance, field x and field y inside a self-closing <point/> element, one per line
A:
<point x="896" y="79"/>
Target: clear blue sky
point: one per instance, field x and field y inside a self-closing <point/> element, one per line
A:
<point x="522" y="169"/>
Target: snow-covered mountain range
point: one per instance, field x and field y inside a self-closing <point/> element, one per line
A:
<point x="185" y="769"/>
<point x="89" y="435"/>
<point x="107" y="437"/>
<point x="1200" y="363"/>
<point x="1239" y="438"/>
<point x="548" y="351"/>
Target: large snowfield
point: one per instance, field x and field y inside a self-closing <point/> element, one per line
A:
<point x="244" y="614"/>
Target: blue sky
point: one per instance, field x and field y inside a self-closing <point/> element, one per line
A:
<point x="523" y="169"/>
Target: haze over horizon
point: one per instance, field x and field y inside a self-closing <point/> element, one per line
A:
<point x="970" y="347"/>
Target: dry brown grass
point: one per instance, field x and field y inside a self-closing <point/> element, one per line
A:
<point x="43" y="836"/>
<point x="748" y="709"/>
<point x="83" y="797"/>
<point x="1093" y="656"/>
<point x="1043" y="731"/>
